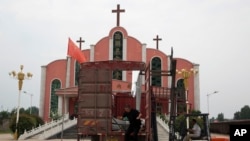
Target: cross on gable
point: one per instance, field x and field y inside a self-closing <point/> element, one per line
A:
<point x="118" y="11"/>
<point x="80" y="41"/>
<point x="157" y="39"/>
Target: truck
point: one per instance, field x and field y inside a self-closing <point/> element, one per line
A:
<point x="95" y="101"/>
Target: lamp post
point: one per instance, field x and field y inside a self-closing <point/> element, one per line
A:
<point x="31" y="95"/>
<point x="20" y="76"/>
<point x="208" y="99"/>
<point x="186" y="75"/>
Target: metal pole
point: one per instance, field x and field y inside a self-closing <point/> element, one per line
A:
<point x="31" y="103"/>
<point x="187" y="120"/>
<point x="208" y="100"/>
<point x="63" y="117"/>
<point x="207" y="103"/>
<point x="17" y="115"/>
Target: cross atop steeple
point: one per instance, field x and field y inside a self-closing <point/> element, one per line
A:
<point x="157" y="39"/>
<point x="80" y="41"/>
<point x="118" y="11"/>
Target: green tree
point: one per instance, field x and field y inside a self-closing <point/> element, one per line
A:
<point x="212" y="119"/>
<point x="34" y="110"/>
<point x="4" y="115"/>
<point x="245" y="112"/>
<point x="26" y="122"/>
<point x="220" y="117"/>
<point x="14" y="111"/>
<point x="195" y="112"/>
<point x="237" y="115"/>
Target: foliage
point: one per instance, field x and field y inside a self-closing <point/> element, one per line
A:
<point x="237" y="115"/>
<point x="34" y="110"/>
<point x="195" y="112"/>
<point x="26" y="122"/>
<point x="4" y="115"/>
<point x="220" y="117"/>
<point x="244" y="113"/>
<point x="55" y="116"/>
<point x="163" y="117"/>
<point x="38" y="120"/>
<point x="212" y="119"/>
<point x="181" y="123"/>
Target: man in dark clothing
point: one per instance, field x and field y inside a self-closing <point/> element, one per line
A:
<point x="135" y="122"/>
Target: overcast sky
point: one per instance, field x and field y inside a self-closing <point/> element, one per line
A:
<point x="212" y="33"/>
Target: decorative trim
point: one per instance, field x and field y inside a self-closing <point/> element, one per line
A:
<point x="196" y="88"/>
<point x="111" y="49"/>
<point x="42" y="91"/>
<point x="124" y="57"/>
<point x="92" y="53"/>
<point x="144" y="53"/>
<point x="60" y="102"/>
<point x="124" y="52"/>
<point x="67" y="84"/>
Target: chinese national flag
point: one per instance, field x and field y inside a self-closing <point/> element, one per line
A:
<point x="75" y="52"/>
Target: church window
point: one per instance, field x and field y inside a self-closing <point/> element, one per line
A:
<point x="156" y="66"/>
<point x="77" y="70"/>
<point x="181" y="107"/>
<point x="56" y="84"/>
<point x="117" y="53"/>
<point x="181" y="89"/>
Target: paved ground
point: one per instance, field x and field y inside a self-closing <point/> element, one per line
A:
<point x="162" y="137"/>
<point x="162" y="134"/>
<point x="9" y="137"/>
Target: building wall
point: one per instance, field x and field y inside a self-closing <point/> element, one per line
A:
<point x="54" y="70"/>
<point x="185" y="64"/>
<point x="102" y="50"/>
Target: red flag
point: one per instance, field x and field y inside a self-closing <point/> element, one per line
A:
<point x="75" y="52"/>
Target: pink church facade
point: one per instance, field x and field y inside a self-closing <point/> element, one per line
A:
<point x="58" y="92"/>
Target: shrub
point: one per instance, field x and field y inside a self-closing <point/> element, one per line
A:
<point x="26" y="122"/>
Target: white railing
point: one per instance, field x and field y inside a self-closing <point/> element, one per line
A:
<point x="163" y="124"/>
<point x="57" y="129"/>
<point x="43" y="128"/>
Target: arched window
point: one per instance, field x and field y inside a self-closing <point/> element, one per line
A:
<point x="56" y="84"/>
<point x="181" y="89"/>
<point x="77" y="70"/>
<point x="117" y="53"/>
<point x="181" y="107"/>
<point x="156" y="66"/>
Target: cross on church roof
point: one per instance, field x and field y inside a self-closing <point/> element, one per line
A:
<point x="157" y="39"/>
<point x="80" y="41"/>
<point x="118" y="11"/>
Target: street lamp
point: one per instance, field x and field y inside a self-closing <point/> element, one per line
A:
<point x="186" y="75"/>
<point x="208" y="99"/>
<point x="20" y="76"/>
<point x="31" y="95"/>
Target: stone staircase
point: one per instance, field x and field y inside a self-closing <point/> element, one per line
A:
<point x="49" y="129"/>
<point x="162" y="129"/>
<point x="70" y="133"/>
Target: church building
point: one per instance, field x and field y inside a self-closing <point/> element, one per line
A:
<point x="59" y="85"/>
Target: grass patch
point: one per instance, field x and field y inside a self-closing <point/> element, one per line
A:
<point x="5" y="131"/>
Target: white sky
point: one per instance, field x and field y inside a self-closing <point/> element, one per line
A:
<point x="212" y="33"/>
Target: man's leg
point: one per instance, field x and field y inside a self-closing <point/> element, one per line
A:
<point x="187" y="137"/>
<point x="135" y="134"/>
<point x="128" y="132"/>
